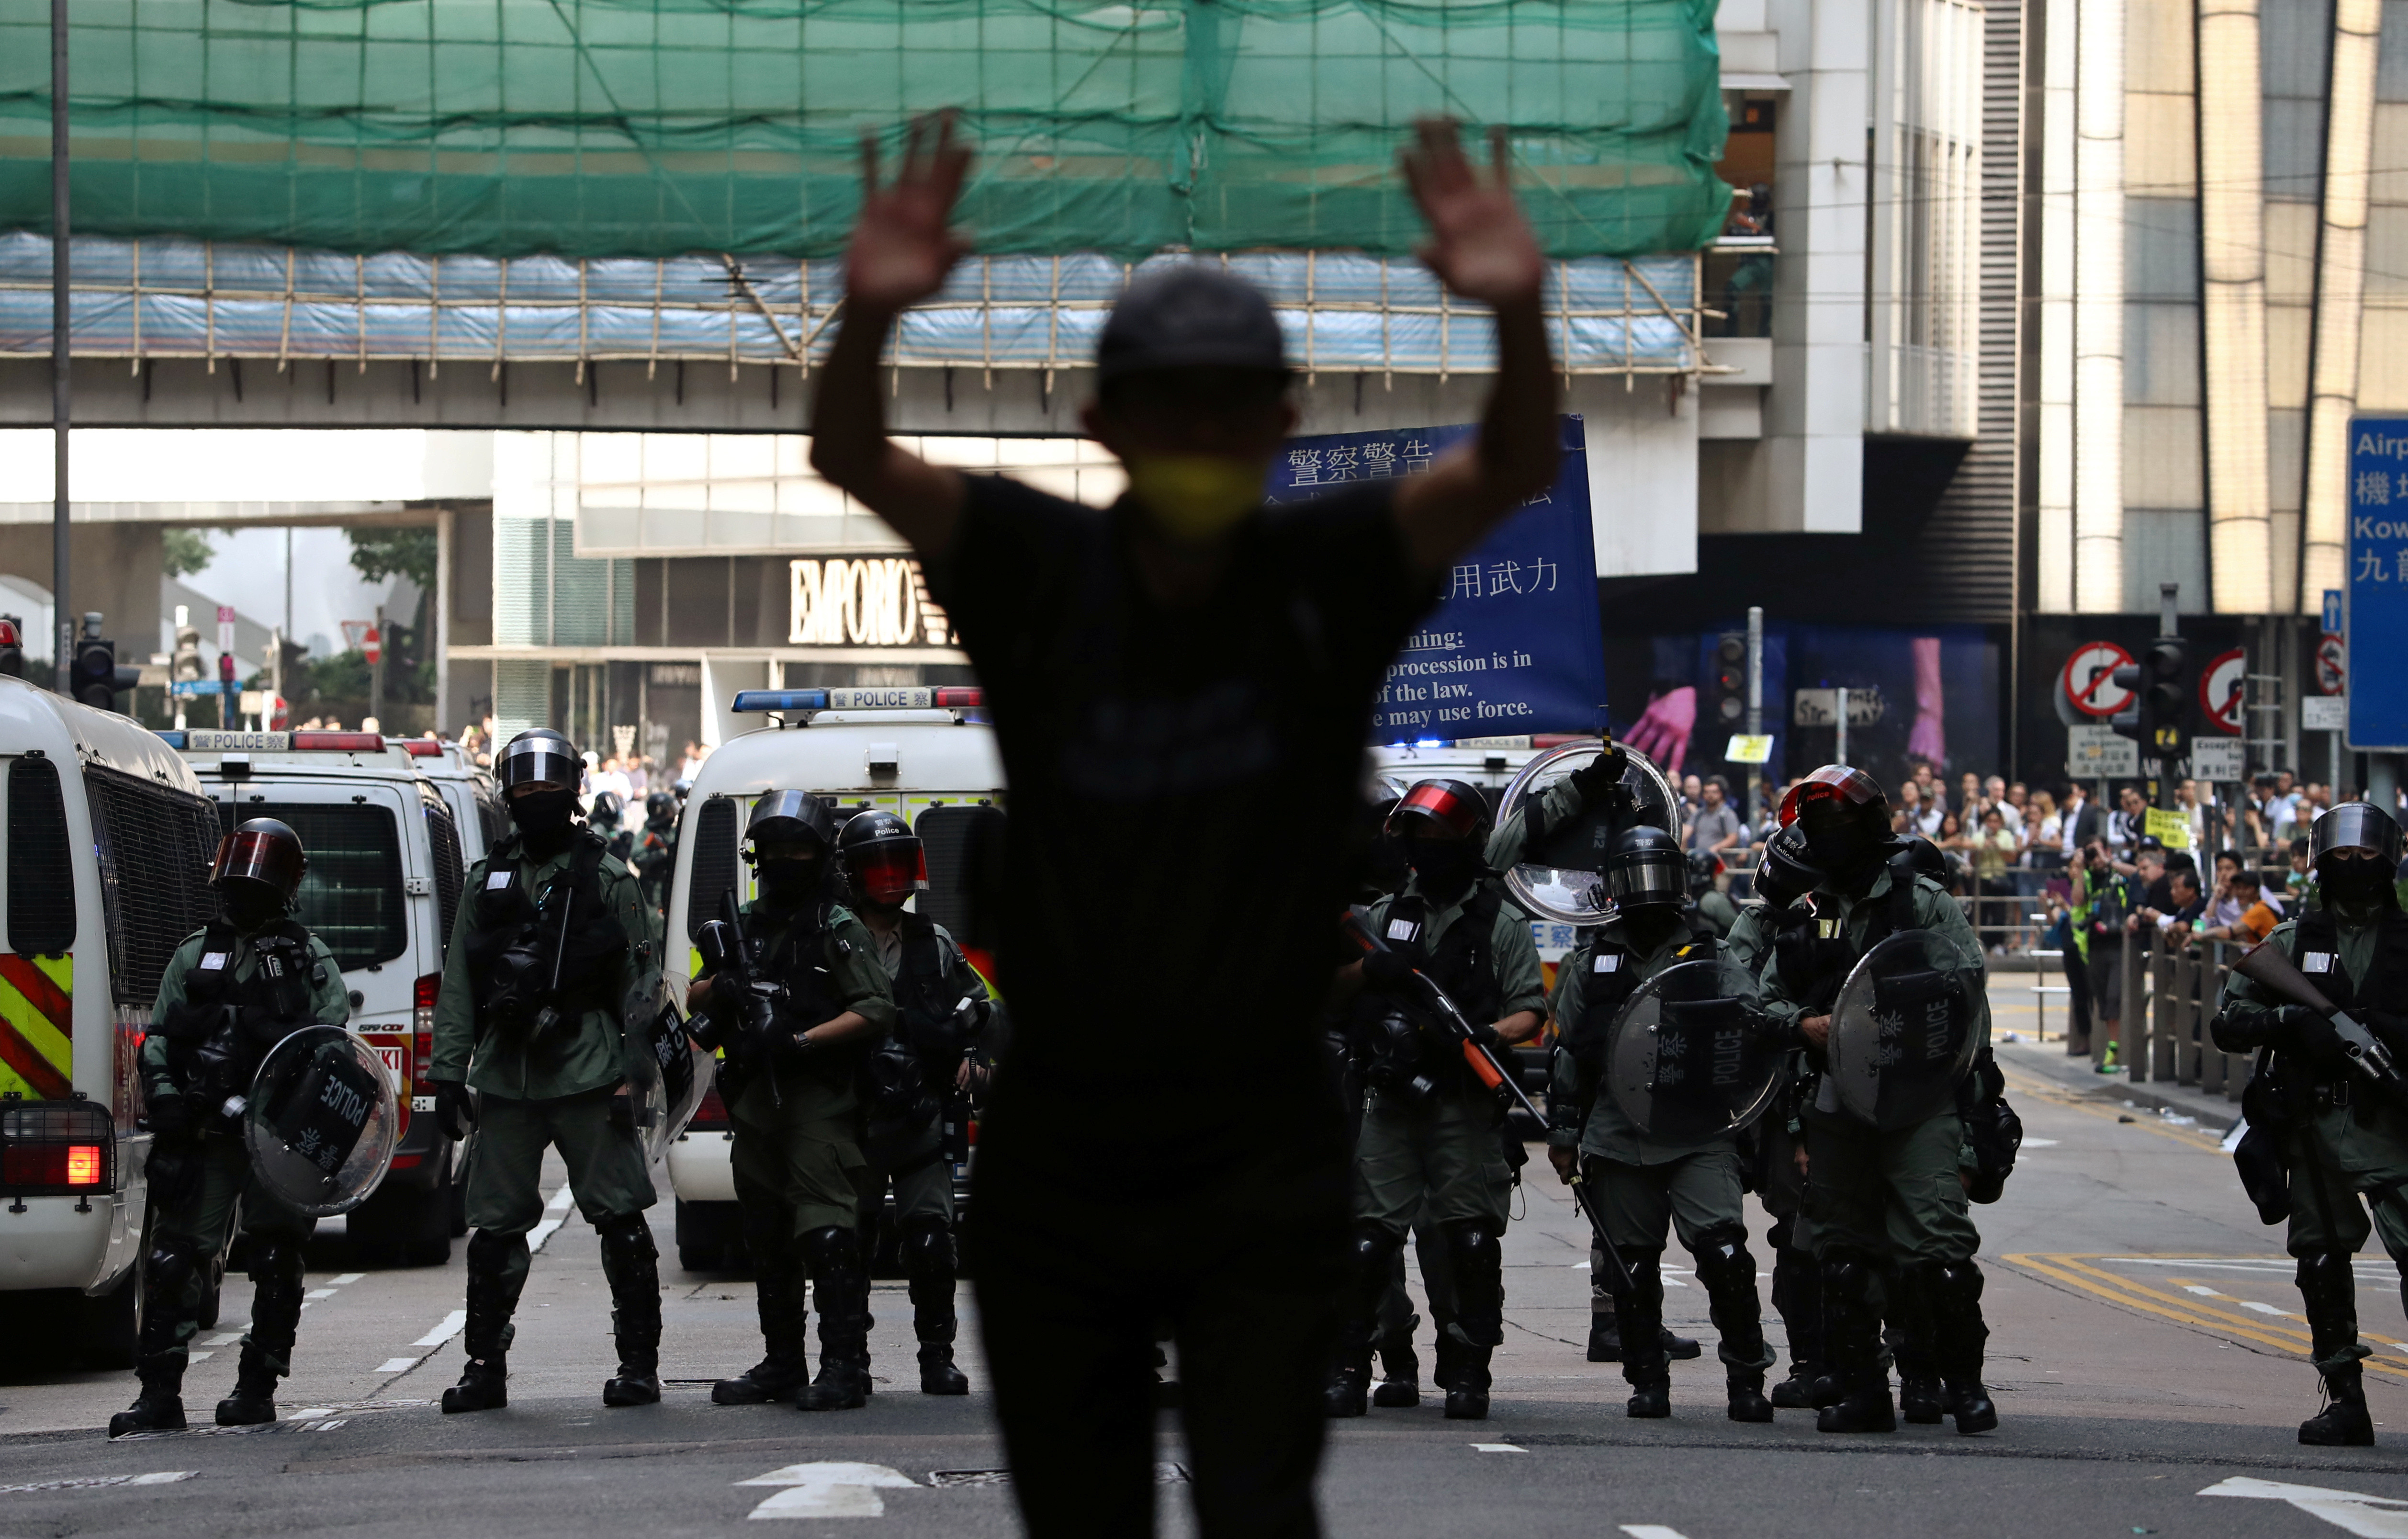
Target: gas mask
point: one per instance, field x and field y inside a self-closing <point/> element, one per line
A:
<point x="1842" y="845"/>
<point x="2353" y="880"/>
<point x="542" y="817"/>
<point x="786" y="883"/>
<point x="1445" y="867"/>
<point x="251" y="905"/>
<point x="1195" y="499"/>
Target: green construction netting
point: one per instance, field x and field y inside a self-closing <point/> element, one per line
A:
<point x="653" y="128"/>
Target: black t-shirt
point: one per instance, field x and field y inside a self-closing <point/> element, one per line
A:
<point x="1182" y="788"/>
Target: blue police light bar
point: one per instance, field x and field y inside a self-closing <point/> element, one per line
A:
<point x="780" y="700"/>
<point x="173" y="740"/>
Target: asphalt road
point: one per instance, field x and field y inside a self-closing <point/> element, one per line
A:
<point x="2146" y="1358"/>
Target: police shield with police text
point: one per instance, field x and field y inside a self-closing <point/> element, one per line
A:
<point x="230" y="994"/>
<point x="919" y="1099"/>
<point x="2325" y="1003"/>
<point x="1890" y="1176"/>
<point x="791" y="996"/>
<point x="1432" y="1132"/>
<point x="552" y="938"/>
<point x="1661" y="1058"/>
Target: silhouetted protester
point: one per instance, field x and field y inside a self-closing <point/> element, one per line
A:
<point x="1182" y="688"/>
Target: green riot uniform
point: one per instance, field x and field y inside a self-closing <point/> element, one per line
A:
<point x="654" y="858"/>
<point x="214" y="1001"/>
<point x="1640" y="1184"/>
<point x="1892" y="1227"/>
<point x="1717" y="911"/>
<point x="564" y="1089"/>
<point x="1780" y="1185"/>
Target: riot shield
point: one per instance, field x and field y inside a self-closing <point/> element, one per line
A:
<point x="1685" y="1059"/>
<point x="1903" y="1031"/>
<point x="667" y="1072"/>
<point x="1561" y="877"/>
<point x="321" y="1121"/>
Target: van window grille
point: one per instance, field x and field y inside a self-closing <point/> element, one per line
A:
<point x="443" y="838"/>
<point x="714" y="863"/>
<point x="965" y="850"/>
<point x="351" y="895"/>
<point x="41" y="875"/>
<point x="154" y="845"/>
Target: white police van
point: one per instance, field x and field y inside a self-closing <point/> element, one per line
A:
<point x="924" y="752"/>
<point x="466" y="788"/>
<point x="109" y="844"/>
<point x="383" y="883"/>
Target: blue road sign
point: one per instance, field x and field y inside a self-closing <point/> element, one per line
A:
<point x="2375" y="624"/>
<point x="1514" y="646"/>
<point x="2333" y="612"/>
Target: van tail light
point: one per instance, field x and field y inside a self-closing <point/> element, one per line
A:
<point x="54" y="1148"/>
<point x="422" y="996"/>
<point x="712" y="1115"/>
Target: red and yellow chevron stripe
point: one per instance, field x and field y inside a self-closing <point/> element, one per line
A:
<point x="37" y="1025"/>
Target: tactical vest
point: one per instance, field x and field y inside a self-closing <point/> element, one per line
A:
<point x="1813" y="965"/>
<point x="1603" y="993"/>
<point x="513" y="934"/>
<point x="799" y="960"/>
<point x="2315" y="946"/>
<point x="1464" y="962"/>
<point x="225" y="1027"/>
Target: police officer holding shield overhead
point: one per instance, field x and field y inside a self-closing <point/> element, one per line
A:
<point x="232" y="991"/>
<point x="792" y="994"/>
<point x="917" y="1116"/>
<point x="2322" y="1109"/>
<point x="1661" y="1058"/>
<point x="1890" y="1004"/>
<point x="552" y="940"/>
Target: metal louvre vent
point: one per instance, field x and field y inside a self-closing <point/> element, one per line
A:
<point x="41" y="877"/>
<point x="155" y="843"/>
<point x="965" y="850"/>
<point x="352" y="896"/>
<point x="444" y="836"/>
<point x="714" y="863"/>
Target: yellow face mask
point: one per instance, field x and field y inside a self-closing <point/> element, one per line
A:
<point x="1194" y="499"/>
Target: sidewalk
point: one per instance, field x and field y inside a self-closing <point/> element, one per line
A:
<point x="2016" y="1015"/>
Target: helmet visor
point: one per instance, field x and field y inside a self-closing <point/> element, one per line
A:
<point x="786" y="817"/>
<point x="1440" y="809"/>
<point x="270" y="855"/>
<point x="1653" y="876"/>
<point x="542" y="763"/>
<point x="889" y="873"/>
<point x="1833" y="782"/>
<point x="2356" y="825"/>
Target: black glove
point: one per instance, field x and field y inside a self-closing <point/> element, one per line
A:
<point x="170" y="1119"/>
<point x="1387" y="970"/>
<point x="1486" y="1037"/>
<point x="1600" y="775"/>
<point x="2312" y="1034"/>
<point x="2389" y="1029"/>
<point x="455" y="1110"/>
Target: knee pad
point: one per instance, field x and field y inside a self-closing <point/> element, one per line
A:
<point x="927" y="1247"/>
<point x="1721" y="1254"/>
<point x="276" y="1258"/>
<point x="170" y="1265"/>
<point x="627" y="1240"/>
<point x="487" y="1251"/>
<point x="832" y="1248"/>
<point x="1847" y="1277"/>
<point x="1960" y="1282"/>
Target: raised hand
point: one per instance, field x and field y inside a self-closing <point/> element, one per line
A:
<point x="904" y="244"/>
<point x="1480" y="246"/>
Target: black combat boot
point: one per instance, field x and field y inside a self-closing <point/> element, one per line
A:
<point x="843" y="1290"/>
<point x="1907" y="1331"/>
<point x="928" y="1263"/>
<point x="1797" y="1299"/>
<point x="631" y="1265"/>
<point x="1605" y="1337"/>
<point x="1401" y="1386"/>
<point x="1727" y="1273"/>
<point x="484" y="1380"/>
<point x="1371" y="1252"/>
<point x="160" y="1354"/>
<point x="1952" y="1300"/>
<point x="1851" y="1337"/>
<point x="2329" y="1288"/>
<point x="276" y="1269"/>
<point x="1644" y="1363"/>
<point x="1478" y="1262"/>
<point x="779" y="1303"/>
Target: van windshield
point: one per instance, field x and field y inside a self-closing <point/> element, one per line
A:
<point x="351" y="895"/>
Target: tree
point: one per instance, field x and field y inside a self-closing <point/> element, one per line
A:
<point x="380" y="553"/>
<point x="184" y="552"/>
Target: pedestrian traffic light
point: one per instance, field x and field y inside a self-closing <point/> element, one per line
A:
<point x="95" y="680"/>
<point x="12" y="646"/>
<point x="2159" y="713"/>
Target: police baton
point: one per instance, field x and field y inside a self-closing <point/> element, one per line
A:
<point x="1597" y="1228"/>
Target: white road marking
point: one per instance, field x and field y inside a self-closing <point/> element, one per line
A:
<point x="399" y="1365"/>
<point x="347" y="1279"/>
<point x="224" y="1338"/>
<point x="561" y="1200"/>
<point x="2201" y="1289"/>
<point x="2266" y="1309"/>
<point x="319" y="1293"/>
<point x="451" y="1326"/>
<point x="1498" y="1448"/>
<point x="832" y="1489"/>
<point x="198" y="1356"/>
<point x="93" y="1482"/>
<point x="1652" y="1530"/>
<point x="2369" y="1517"/>
<point x="541" y="1232"/>
<point x="2038" y="1144"/>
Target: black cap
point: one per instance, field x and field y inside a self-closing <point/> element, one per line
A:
<point x="1190" y="316"/>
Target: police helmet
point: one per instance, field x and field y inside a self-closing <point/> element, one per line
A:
<point x="684" y="788"/>
<point x="1704" y="866"/>
<point x="1926" y="859"/>
<point x="537" y="756"/>
<point x="659" y="804"/>
<point x="1439" y="809"/>
<point x="1843" y="813"/>
<point x="1646" y="866"/>
<point x="786" y="817"/>
<point x="883" y="858"/>
<point x="607" y="810"/>
<point x="2355" y="825"/>
<point x="1785" y="873"/>
<point x="264" y="851"/>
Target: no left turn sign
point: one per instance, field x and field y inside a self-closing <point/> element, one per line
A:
<point x="2088" y="679"/>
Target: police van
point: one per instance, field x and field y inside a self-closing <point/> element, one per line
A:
<point x="925" y="754"/>
<point x="383" y="883"/>
<point x="466" y="788"/>
<point x="108" y="843"/>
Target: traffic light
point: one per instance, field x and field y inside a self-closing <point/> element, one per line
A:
<point x="95" y="680"/>
<point x="184" y="665"/>
<point x="12" y="646"/>
<point x="2159" y="714"/>
<point x="1728" y="701"/>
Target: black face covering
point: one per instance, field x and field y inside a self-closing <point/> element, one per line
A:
<point x="2353" y="880"/>
<point x="1648" y="924"/>
<point x="248" y="905"/>
<point x="788" y="882"/>
<point x="1445" y="867"/>
<point x="542" y="817"/>
<point x="1846" y="851"/>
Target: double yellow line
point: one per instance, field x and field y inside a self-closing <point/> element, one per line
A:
<point x="2186" y="1309"/>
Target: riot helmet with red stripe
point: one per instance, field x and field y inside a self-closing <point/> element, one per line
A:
<point x="258" y="869"/>
<point x="884" y="860"/>
<point x="1439" y="823"/>
<point x="1846" y="818"/>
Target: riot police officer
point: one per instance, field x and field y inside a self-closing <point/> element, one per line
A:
<point x="919" y="1105"/>
<point x="551" y="937"/>
<point x="1642" y="1182"/>
<point x="231" y="992"/>
<point x="810" y="1004"/>
<point x="656" y="847"/>
<point x="1784" y="875"/>
<point x="2340" y="1137"/>
<point x="1715" y="911"/>
<point x="606" y="815"/>
<point x="1892" y="1232"/>
<point x="1431" y="1133"/>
